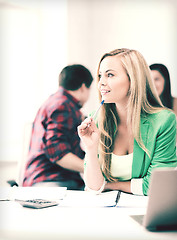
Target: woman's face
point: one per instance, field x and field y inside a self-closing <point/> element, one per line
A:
<point x="113" y="82"/>
<point x="158" y="80"/>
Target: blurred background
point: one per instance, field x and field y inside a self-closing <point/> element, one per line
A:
<point x="40" y="37"/>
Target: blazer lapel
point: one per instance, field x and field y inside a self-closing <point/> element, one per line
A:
<point x="138" y="152"/>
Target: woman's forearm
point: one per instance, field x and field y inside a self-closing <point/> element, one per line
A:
<point x="123" y="186"/>
<point x="90" y="137"/>
<point x="92" y="173"/>
<point x="94" y="179"/>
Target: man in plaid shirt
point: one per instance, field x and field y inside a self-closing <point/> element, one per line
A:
<point x="55" y="156"/>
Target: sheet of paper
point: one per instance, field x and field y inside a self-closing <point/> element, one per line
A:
<point x="89" y="199"/>
<point x="24" y="193"/>
<point x="132" y="201"/>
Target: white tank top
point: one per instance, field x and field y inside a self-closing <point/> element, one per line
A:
<point x="121" y="166"/>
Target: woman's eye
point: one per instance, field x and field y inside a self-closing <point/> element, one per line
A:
<point x="110" y="75"/>
<point x="99" y="76"/>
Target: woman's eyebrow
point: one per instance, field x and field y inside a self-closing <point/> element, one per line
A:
<point x="109" y="70"/>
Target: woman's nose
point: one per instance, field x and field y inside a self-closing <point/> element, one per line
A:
<point x="101" y="84"/>
<point x="102" y="81"/>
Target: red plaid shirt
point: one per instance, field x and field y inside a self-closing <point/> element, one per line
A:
<point x="54" y="134"/>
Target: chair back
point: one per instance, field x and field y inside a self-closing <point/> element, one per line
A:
<point x="25" y="148"/>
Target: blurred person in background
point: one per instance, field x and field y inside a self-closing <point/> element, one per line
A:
<point x="55" y="157"/>
<point x="161" y="77"/>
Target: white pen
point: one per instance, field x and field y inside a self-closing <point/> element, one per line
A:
<point x="96" y="112"/>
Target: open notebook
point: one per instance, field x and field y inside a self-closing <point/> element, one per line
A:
<point x="161" y="211"/>
<point x="89" y="199"/>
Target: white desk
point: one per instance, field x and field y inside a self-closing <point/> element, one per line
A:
<point x="74" y="222"/>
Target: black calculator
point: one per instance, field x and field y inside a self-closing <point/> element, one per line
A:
<point x="37" y="203"/>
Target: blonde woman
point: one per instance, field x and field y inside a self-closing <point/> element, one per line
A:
<point x="134" y="133"/>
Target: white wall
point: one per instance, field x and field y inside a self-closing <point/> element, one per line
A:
<point x="33" y="52"/>
<point x="38" y="38"/>
<point x="98" y="26"/>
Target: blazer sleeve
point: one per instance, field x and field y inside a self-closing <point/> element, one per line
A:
<point x="161" y="144"/>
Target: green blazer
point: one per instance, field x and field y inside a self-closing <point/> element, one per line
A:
<point x="158" y="132"/>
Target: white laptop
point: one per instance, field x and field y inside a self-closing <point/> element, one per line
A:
<point x="161" y="211"/>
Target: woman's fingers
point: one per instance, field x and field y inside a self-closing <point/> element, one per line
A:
<point x="86" y="123"/>
<point x="89" y="134"/>
<point x="85" y="127"/>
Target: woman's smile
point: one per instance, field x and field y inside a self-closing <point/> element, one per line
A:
<point x="104" y="92"/>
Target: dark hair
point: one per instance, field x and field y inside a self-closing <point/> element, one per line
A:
<point x="165" y="97"/>
<point x="73" y="76"/>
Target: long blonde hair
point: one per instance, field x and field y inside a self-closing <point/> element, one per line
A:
<point x="143" y="100"/>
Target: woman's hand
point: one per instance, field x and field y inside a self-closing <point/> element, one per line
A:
<point x="89" y="134"/>
<point x="124" y="186"/>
